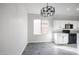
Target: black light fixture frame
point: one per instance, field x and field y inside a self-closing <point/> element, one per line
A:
<point x="47" y="11"/>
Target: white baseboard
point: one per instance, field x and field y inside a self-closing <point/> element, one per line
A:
<point x="24" y="49"/>
<point x="38" y="41"/>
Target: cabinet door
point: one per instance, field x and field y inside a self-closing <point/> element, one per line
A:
<point x="78" y="42"/>
<point x="65" y="38"/>
<point x="78" y="38"/>
<point x="61" y="38"/>
<point x="58" y="38"/>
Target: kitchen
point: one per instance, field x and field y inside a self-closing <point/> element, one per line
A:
<point x="67" y="28"/>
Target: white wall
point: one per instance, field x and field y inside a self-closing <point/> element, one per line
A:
<point x="13" y="28"/>
<point x="38" y="38"/>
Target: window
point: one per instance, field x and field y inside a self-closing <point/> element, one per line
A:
<point x="40" y="26"/>
<point x="45" y="26"/>
<point x="37" y="26"/>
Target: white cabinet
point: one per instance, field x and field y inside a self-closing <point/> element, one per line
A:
<point x="77" y="38"/>
<point x="78" y="43"/>
<point x="61" y="38"/>
<point x="60" y="24"/>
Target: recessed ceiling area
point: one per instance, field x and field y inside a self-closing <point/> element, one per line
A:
<point x="60" y="8"/>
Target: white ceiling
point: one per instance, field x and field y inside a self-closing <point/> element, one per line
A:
<point x="60" y="8"/>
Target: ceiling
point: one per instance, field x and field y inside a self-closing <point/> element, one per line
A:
<point x="60" y="8"/>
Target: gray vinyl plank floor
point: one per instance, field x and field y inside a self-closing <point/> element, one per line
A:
<point x="45" y="49"/>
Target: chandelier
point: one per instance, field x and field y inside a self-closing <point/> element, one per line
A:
<point x="47" y="11"/>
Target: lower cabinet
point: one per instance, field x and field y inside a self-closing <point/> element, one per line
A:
<point x="78" y="39"/>
<point x="78" y="42"/>
<point x="61" y="38"/>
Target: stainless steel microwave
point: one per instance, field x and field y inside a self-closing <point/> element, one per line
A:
<point x="68" y="26"/>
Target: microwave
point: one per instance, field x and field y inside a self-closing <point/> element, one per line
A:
<point x="68" y="26"/>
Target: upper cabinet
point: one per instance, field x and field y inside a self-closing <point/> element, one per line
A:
<point x="60" y="24"/>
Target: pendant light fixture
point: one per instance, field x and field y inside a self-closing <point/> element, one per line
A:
<point x="47" y="11"/>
